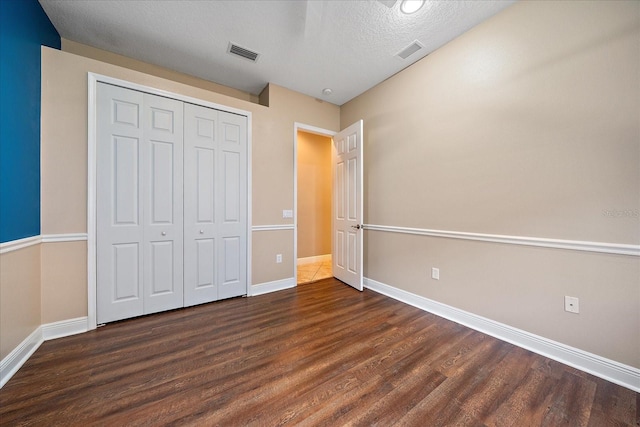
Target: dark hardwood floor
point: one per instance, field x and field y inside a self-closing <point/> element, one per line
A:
<point x="318" y="354"/>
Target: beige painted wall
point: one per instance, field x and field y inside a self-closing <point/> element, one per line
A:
<point x="64" y="169"/>
<point x="314" y="195"/>
<point x="527" y="125"/>
<point x="64" y="273"/>
<point x="264" y="268"/>
<point x="19" y="296"/>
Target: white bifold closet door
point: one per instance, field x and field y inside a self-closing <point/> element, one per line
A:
<point x="149" y="257"/>
<point x="215" y="205"/>
<point x="139" y="203"/>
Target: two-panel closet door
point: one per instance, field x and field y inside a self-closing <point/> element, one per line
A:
<point x="139" y="204"/>
<point x="215" y="205"/>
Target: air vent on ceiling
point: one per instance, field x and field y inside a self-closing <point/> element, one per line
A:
<point x="242" y="52"/>
<point x="410" y="50"/>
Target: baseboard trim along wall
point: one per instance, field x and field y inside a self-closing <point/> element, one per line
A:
<point x="618" y="373"/>
<point x="576" y="245"/>
<point x="64" y="328"/>
<point x="276" y="285"/>
<point x="14" y="360"/>
<point x="19" y="355"/>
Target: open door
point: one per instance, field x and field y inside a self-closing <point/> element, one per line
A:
<point x="347" y="205"/>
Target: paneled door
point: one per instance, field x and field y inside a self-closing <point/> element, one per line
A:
<point x="347" y="205"/>
<point x="215" y="205"/>
<point x="163" y="203"/>
<point x="232" y="207"/>
<point x="119" y="213"/>
<point x="139" y="203"/>
<point x="200" y="178"/>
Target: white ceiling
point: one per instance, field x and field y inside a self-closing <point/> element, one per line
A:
<point x="304" y="45"/>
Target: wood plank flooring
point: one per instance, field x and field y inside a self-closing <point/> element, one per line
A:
<point x="318" y="354"/>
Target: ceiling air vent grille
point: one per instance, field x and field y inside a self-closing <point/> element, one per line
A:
<point x="410" y="50"/>
<point x="242" y="52"/>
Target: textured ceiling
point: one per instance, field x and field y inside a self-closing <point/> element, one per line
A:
<point x="304" y="45"/>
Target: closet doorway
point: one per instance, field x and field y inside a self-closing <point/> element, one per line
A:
<point x="313" y="207"/>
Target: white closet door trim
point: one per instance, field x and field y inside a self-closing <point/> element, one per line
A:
<point x="93" y="80"/>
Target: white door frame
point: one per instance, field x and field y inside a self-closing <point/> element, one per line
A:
<point x="309" y="129"/>
<point x="93" y="80"/>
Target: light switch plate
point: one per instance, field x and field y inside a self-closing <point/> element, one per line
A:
<point x="287" y="213"/>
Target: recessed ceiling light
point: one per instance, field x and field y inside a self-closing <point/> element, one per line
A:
<point x="410" y="6"/>
<point x="327" y="91"/>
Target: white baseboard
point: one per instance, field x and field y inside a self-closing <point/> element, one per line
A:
<point x="64" y="328"/>
<point x="276" y="285"/>
<point x="14" y="360"/>
<point x="610" y="370"/>
<point x="19" y="355"/>
<point x="313" y="259"/>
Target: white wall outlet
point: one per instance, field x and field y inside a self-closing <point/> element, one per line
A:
<point x="287" y="213"/>
<point x="435" y="273"/>
<point x="279" y="258"/>
<point x="571" y="304"/>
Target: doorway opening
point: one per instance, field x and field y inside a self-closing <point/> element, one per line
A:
<point x="313" y="205"/>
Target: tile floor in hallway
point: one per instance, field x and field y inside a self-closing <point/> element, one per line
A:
<point x="314" y="271"/>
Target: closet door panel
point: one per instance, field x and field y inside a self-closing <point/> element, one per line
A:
<point x="126" y="271"/>
<point x="163" y="218"/>
<point x="200" y="183"/>
<point x="119" y="205"/>
<point x="232" y="186"/>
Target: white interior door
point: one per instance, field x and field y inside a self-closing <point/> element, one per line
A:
<point x="119" y="206"/>
<point x="347" y="205"/>
<point x="163" y="215"/>
<point x="200" y="254"/>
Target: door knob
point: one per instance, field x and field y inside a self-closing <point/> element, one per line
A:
<point x="357" y="227"/>
<point x="201" y="231"/>
<point x="164" y="233"/>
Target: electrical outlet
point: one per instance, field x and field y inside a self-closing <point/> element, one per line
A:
<point x="572" y="304"/>
<point x="435" y="273"/>
<point x="279" y="258"/>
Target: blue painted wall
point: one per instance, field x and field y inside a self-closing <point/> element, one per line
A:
<point x="24" y="27"/>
